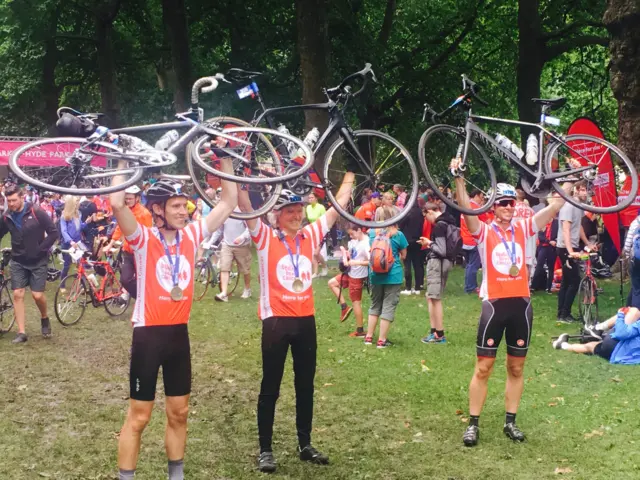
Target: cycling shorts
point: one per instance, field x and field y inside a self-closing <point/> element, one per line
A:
<point x="511" y="317"/>
<point x="606" y="347"/>
<point x="165" y="346"/>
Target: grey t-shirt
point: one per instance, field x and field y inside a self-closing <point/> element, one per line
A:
<point x="574" y="215"/>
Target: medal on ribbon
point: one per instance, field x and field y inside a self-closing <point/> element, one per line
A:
<point x="513" y="269"/>
<point x="176" y="292"/>
<point x="298" y="285"/>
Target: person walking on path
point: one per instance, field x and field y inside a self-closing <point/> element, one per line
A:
<point x="411" y="227"/>
<point x="353" y="278"/>
<point x="385" y="287"/>
<point x="440" y="260"/>
<point x="469" y="245"/>
<point x="33" y="233"/>
<point x="570" y="233"/>
<point x="165" y="259"/>
<point x="314" y="210"/>
<point x="506" y="305"/>
<point x="286" y="309"/>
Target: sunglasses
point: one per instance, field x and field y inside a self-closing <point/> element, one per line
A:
<point x="506" y="203"/>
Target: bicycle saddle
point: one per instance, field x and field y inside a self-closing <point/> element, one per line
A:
<point x="240" y="74"/>
<point x="552" y="103"/>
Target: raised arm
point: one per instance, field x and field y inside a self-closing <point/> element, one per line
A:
<point x="343" y="196"/>
<point x="244" y="202"/>
<point x="228" y="199"/>
<point x="124" y="216"/>
<point x="462" y="196"/>
<point x="549" y="212"/>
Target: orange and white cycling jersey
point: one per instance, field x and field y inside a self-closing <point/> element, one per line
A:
<point x="496" y="259"/>
<point x="276" y="272"/>
<point x="154" y="305"/>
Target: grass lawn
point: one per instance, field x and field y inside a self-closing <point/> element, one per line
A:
<point x="377" y="414"/>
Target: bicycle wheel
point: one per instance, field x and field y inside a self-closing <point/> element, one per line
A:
<point x="201" y="278"/>
<point x="390" y="163"/>
<point x="7" y="316"/>
<point x="234" y="278"/>
<point x="610" y="167"/>
<point x="114" y="303"/>
<point x="69" y="306"/>
<point x="67" y="165"/>
<point x="263" y="197"/>
<point x="441" y="143"/>
<point x="588" y="302"/>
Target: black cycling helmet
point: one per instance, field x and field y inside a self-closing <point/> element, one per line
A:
<point x="163" y="190"/>
<point x="159" y="193"/>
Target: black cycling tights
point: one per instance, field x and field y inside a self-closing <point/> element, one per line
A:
<point x="277" y="334"/>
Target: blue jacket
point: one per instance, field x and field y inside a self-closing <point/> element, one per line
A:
<point x="71" y="231"/>
<point x="627" y="351"/>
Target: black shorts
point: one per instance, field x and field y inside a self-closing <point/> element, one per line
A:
<point x="512" y="317"/>
<point x="605" y="348"/>
<point x="165" y="346"/>
<point x="32" y="276"/>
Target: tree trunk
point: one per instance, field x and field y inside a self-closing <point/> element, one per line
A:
<point x="622" y="19"/>
<point x="313" y="49"/>
<point x="105" y="14"/>
<point x="175" y="21"/>
<point x="530" y="62"/>
<point x="50" y="91"/>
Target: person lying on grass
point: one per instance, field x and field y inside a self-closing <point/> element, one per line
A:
<point x="619" y="346"/>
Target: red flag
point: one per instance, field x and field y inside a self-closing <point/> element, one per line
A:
<point x="605" y="194"/>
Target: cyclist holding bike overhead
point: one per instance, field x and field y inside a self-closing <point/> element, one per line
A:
<point x="165" y="257"/>
<point x="287" y="311"/>
<point x="506" y="305"/>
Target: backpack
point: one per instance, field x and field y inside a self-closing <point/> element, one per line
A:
<point x="636" y="246"/>
<point x="381" y="259"/>
<point x="454" y="242"/>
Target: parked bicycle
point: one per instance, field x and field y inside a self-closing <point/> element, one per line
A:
<point x="550" y="159"/>
<point x="7" y="316"/>
<point x="83" y="166"/>
<point x="207" y="273"/>
<point x="382" y="160"/>
<point x="588" y="293"/>
<point x="95" y="282"/>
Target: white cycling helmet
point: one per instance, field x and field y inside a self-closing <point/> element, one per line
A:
<point x="504" y="190"/>
<point x="287" y="197"/>
<point x="133" y="189"/>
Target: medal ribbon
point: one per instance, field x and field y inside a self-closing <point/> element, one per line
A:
<point x="296" y="263"/>
<point x="175" y="268"/>
<point x="512" y="254"/>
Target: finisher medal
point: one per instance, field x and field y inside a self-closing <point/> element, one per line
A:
<point x="176" y="293"/>
<point x="298" y="286"/>
<point x="514" y="271"/>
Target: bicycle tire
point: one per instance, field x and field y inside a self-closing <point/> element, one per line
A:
<point x="551" y="156"/>
<point x="267" y="132"/>
<point x="77" y="292"/>
<point x="19" y="171"/>
<point x="201" y="273"/>
<point x="588" y="302"/>
<point x="357" y="137"/>
<point x="273" y="195"/>
<point x="234" y="279"/>
<point x="7" y="313"/>
<point x="111" y="301"/>
<point x="430" y="136"/>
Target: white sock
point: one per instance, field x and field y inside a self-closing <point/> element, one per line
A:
<point x="564" y="345"/>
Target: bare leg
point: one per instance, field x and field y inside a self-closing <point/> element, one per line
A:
<point x="335" y="288"/>
<point x="18" y="309"/>
<point x="357" y="311"/>
<point x="224" y="282"/>
<point x="41" y="303"/>
<point x="175" y="438"/>
<point x="247" y="281"/>
<point x="478" y="387"/>
<point x="436" y="314"/>
<point x="515" y="383"/>
<point x="371" y="328"/>
<point x="586" y="348"/>
<point x="384" y="329"/>
<point x="129" y="442"/>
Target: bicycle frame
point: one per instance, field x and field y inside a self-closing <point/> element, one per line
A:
<point x="471" y="126"/>
<point x="99" y="292"/>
